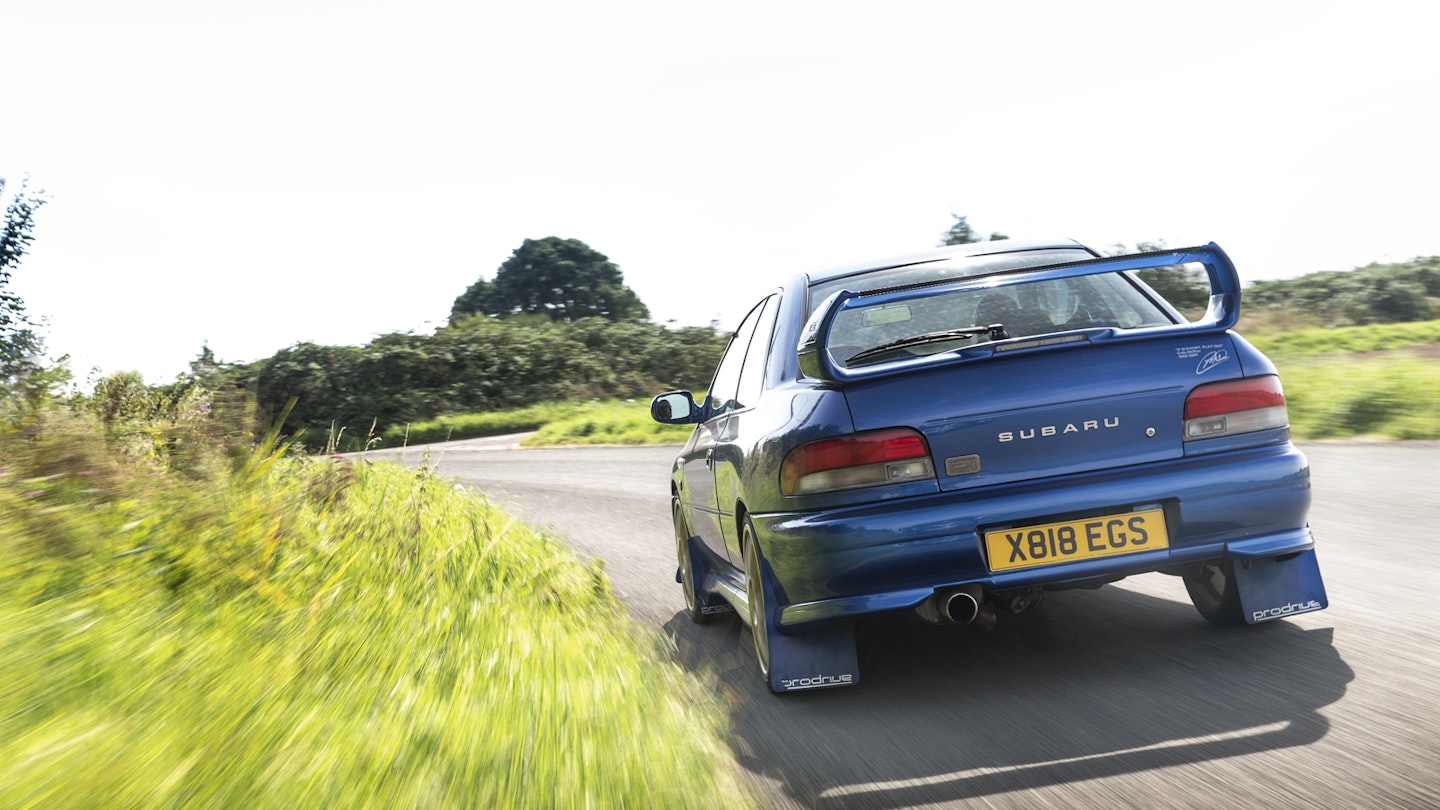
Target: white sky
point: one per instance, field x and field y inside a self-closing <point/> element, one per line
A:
<point x="259" y="174"/>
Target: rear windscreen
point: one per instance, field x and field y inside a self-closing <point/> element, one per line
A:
<point x="929" y="272"/>
<point x="1019" y="310"/>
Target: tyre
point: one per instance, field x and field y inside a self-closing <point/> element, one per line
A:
<point x="695" y="602"/>
<point x="755" y="601"/>
<point x="1214" y="593"/>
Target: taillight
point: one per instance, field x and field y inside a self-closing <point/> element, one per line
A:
<point x="1235" y="406"/>
<point x="858" y="460"/>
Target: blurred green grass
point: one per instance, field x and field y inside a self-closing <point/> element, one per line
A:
<point x="1390" y="396"/>
<point x="291" y="632"/>
<point x="607" y="423"/>
<point x="1346" y="340"/>
<point x="589" y="422"/>
<point x="473" y="425"/>
<point x="1380" y="381"/>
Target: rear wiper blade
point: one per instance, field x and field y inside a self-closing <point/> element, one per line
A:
<point x="994" y="331"/>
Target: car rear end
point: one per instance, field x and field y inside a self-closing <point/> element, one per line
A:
<point x="1025" y="428"/>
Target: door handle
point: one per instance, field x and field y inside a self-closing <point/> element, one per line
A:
<point x="709" y="459"/>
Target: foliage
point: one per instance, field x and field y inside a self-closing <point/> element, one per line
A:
<point x="961" y="233"/>
<point x="20" y="345"/>
<point x="475" y="365"/>
<point x="1348" y="340"/>
<point x="1395" y="395"/>
<point x="1186" y="287"/>
<point x="566" y="422"/>
<point x="277" y="632"/>
<point x="557" y="323"/>
<point x="161" y="427"/>
<point x="1381" y="380"/>
<point x="562" y="279"/>
<point x="1376" y="293"/>
<point x="456" y="426"/>
<point x="607" y="423"/>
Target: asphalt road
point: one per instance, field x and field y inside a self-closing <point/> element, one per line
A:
<point x="1118" y="697"/>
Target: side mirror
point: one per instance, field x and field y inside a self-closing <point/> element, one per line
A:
<point x="674" y="408"/>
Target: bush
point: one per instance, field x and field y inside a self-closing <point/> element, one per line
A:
<point x="270" y="631"/>
<point x="476" y="365"/>
<point x="1376" y="293"/>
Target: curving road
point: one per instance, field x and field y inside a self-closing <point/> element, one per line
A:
<point x="1119" y="697"/>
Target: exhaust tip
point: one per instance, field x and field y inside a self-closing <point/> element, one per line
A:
<point x="960" y="607"/>
<point x="964" y="604"/>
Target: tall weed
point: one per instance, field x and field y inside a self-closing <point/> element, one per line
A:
<point x="284" y="632"/>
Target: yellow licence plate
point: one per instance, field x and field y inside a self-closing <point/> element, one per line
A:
<point x="1070" y="540"/>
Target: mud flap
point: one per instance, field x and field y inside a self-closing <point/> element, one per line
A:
<point x="1276" y="587"/>
<point x="708" y="603"/>
<point x="816" y="659"/>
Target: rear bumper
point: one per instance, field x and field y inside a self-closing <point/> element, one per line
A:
<point x="840" y="564"/>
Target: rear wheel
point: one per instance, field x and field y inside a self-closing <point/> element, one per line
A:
<point x="694" y="601"/>
<point x="1214" y="593"/>
<point x="755" y="600"/>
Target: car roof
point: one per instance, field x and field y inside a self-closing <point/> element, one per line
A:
<point x="834" y="271"/>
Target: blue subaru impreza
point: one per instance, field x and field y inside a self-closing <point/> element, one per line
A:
<point x="954" y="433"/>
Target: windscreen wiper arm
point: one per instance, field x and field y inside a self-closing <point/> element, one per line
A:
<point x="995" y="331"/>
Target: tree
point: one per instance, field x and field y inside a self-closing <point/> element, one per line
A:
<point x="19" y="343"/>
<point x="562" y="279"/>
<point x="476" y="299"/>
<point x="961" y="233"/>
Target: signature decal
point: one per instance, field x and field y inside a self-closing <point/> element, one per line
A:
<point x="1212" y="360"/>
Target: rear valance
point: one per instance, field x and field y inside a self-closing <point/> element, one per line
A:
<point x="816" y="359"/>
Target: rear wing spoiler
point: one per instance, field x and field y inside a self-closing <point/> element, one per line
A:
<point x="1220" y="315"/>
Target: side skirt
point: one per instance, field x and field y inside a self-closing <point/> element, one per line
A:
<point x="706" y="580"/>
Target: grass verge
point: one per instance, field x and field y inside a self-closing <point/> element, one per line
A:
<point x="613" y="422"/>
<point x="474" y="425"/>
<point x="1378" y="381"/>
<point x="609" y="422"/>
<point x="313" y="633"/>
<point x="1347" y="340"/>
<point x="1393" y="396"/>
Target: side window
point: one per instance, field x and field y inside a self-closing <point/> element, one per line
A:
<point x="726" y="385"/>
<point x="752" y="376"/>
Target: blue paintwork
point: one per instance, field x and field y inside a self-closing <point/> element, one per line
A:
<point x="1061" y="431"/>
<point x="1255" y="495"/>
